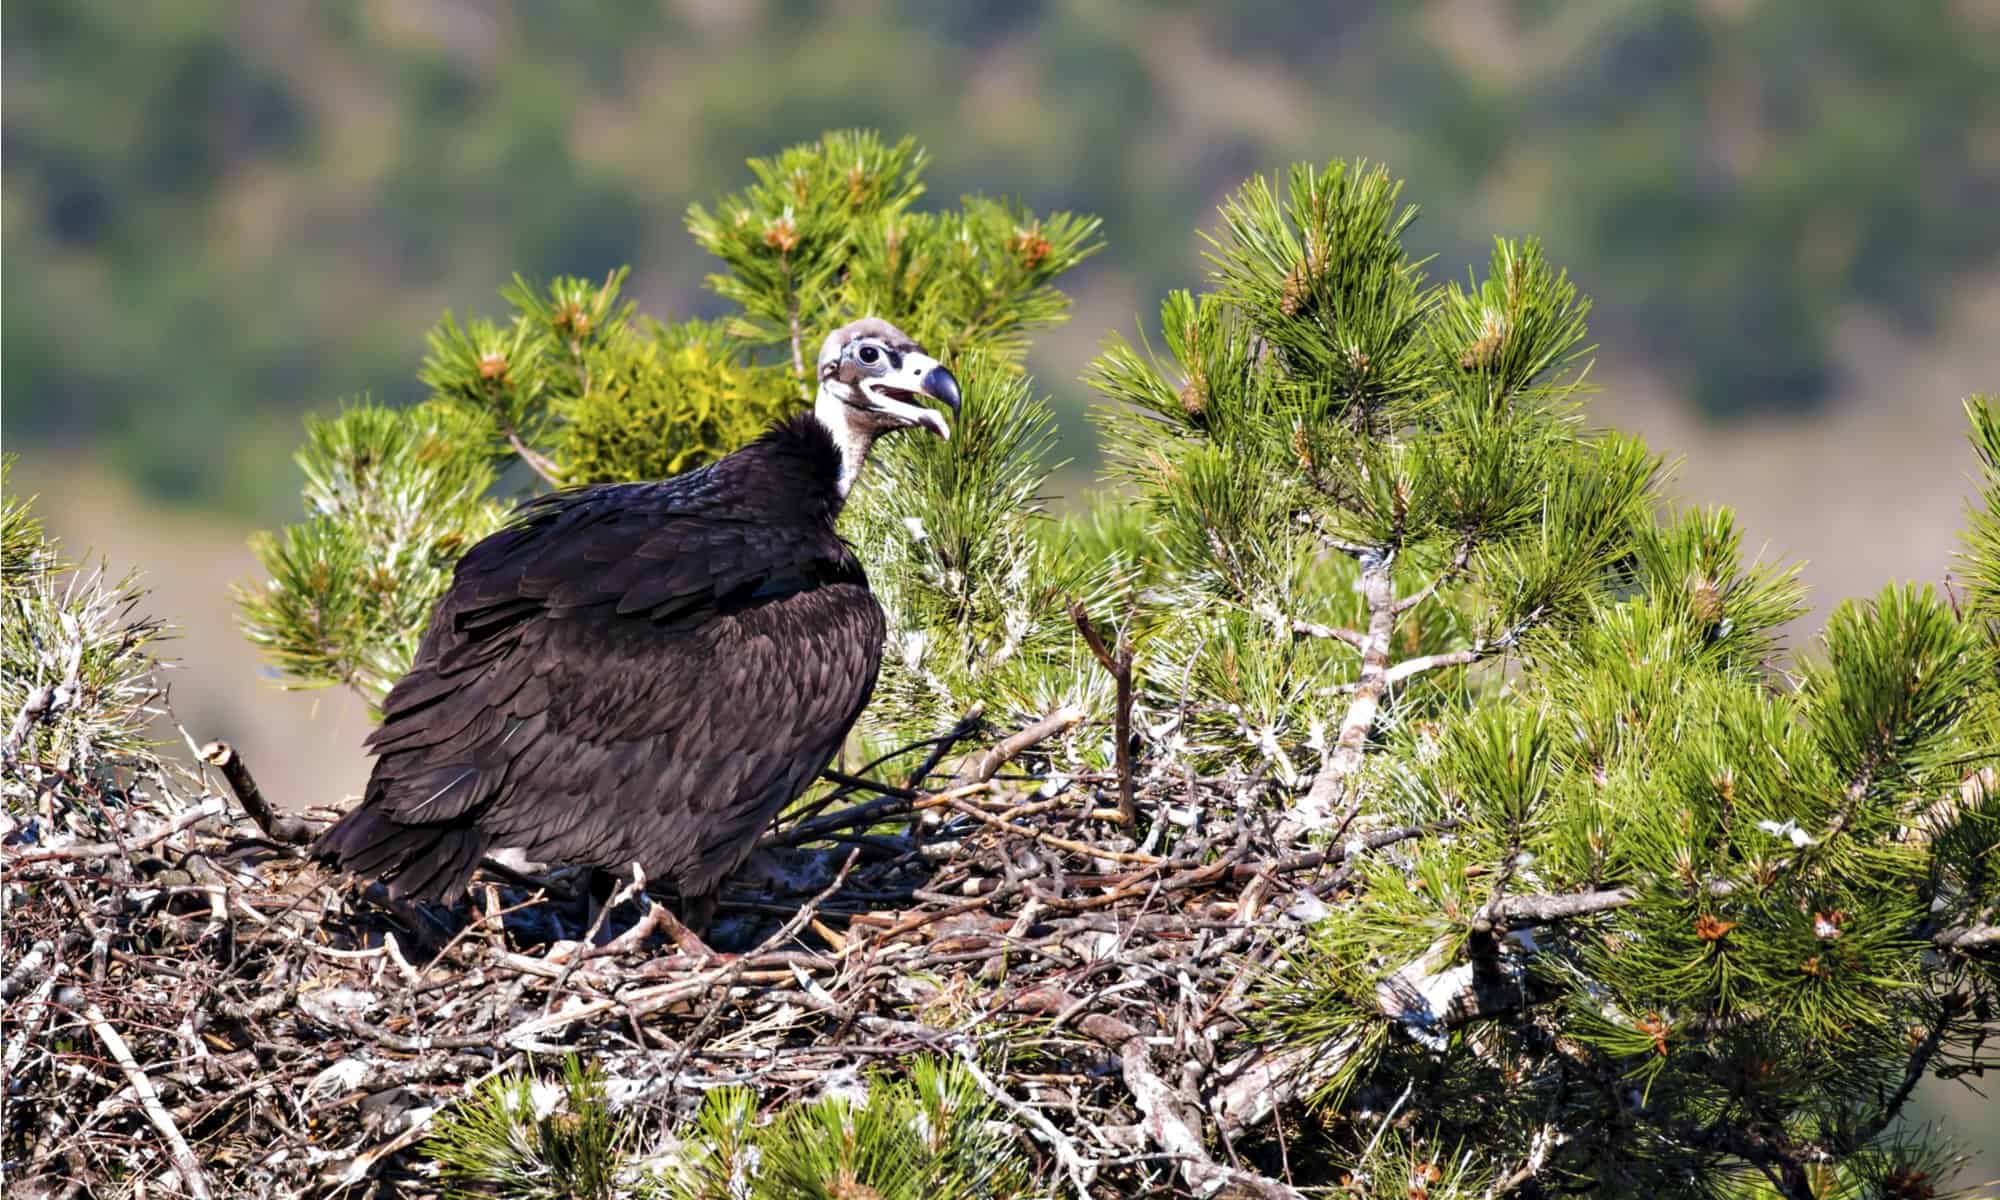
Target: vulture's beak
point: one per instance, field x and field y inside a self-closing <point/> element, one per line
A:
<point x="942" y="386"/>
<point x="921" y="376"/>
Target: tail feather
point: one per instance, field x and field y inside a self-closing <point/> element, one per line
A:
<point x="421" y="862"/>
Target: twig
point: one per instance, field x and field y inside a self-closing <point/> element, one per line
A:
<point x="290" y="831"/>
<point x="1082" y="1172"/>
<point x="363" y="1165"/>
<point x="868" y="785"/>
<point x="537" y="462"/>
<point x="211" y="807"/>
<point x="1913" y="1074"/>
<point x="1313" y="629"/>
<point x="1050" y="839"/>
<point x="785" y="933"/>
<point x="39" y="704"/>
<point x="28" y="1027"/>
<point x="987" y="765"/>
<point x="1167" y="1120"/>
<point x="625" y="892"/>
<point x="1410" y="667"/>
<point x="1120" y="667"/>
<point x="869" y="813"/>
<point x="17" y="978"/>
<point x="960" y="730"/>
<point x="183" y="1158"/>
<point x="1450" y="572"/>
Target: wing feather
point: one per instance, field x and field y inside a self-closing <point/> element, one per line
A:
<point x="620" y="676"/>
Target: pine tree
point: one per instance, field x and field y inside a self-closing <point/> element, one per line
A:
<point x="1678" y="923"/>
<point x="1627" y="904"/>
<point x="578" y="389"/>
<point x="78" y="681"/>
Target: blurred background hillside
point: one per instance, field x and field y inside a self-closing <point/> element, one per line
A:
<point x="219" y="216"/>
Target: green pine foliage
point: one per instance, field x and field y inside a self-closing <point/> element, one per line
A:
<point x="662" y="399"/>
<point x="1325" y="418"/>
<point x="525" y="1139"/>
<point x="928" y="1134"/>
<point x="79" y="685"/>
<point x="393" y="499"/>
<point x="1355" y="496"/>
<point x="1982" y="539"/>
<point x="578" y="389"/>
<point x="827" y="233"/>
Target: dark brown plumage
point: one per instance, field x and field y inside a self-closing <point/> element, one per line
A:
<point x="638" y="672"/>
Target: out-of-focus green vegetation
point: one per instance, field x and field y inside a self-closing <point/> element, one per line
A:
<point x="219" y="214"/>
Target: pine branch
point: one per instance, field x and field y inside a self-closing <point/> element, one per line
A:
<point x="83" y="851"/>
<point x="1770" y="1152"/>
<point x="1450" y="572"/>
<point x="1378" y="590"/>
<point x="537" y="462"/>
<point x="1914" y="1072"/>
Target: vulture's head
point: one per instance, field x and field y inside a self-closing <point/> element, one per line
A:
<point x="873" y="378"/>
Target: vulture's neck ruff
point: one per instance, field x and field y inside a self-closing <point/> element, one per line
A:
<point x="873" y="379"/>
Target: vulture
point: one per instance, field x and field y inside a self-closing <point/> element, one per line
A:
<point x="645" y="672"/>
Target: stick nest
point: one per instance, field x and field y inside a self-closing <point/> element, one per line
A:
<point x="194" y="1008"/>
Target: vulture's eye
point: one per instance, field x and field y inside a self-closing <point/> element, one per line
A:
<point x="869" y="355"/>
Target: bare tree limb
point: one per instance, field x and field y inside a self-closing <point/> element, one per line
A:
<point x="1120" y="667"/>
<point x="178" y="1152"/>
<point x="537" y="462"/>
<point x="987" y="765"/>
<point x="1451" y="571"/>
<point x="290" y="831"/>
<point x="1082" y="1172"/>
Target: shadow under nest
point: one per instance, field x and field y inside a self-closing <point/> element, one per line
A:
<point x="298" y="1035"/>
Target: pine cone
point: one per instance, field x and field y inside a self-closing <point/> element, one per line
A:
<point x="1194" y="396"/>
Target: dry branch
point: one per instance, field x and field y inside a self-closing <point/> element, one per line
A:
<point x="1120" y="667"/>
<point x="290" y="831"/>
<point x="984" y="767"/>
<point x="178" y="1151"/>
<point x="271" y="993"/>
